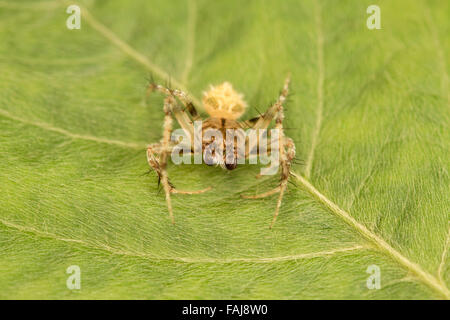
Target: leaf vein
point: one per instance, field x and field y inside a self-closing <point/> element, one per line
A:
<point x="72" y="135"/>
<point x="115" y="251"/>
<point x="379" y="242"/>
<point x="371" y="172"/>
<point x="191" y="21"/>
<point x="440" y="55"/>
<point x="130" y="51"/>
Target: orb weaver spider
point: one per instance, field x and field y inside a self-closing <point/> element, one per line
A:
<point x="224" y="106"/>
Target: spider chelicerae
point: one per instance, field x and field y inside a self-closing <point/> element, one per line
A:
<point x="224" y="106"/>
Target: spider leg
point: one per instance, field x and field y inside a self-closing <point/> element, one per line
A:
<point x="287" y="147"/>
<point x="157" y="156"/>
<point x="152" y="157"/>
<point x="173" y="190"/>
<point x="179" y="112"/>
<point x="254" y="154"/>
<point x="286" y="160"/>
<point x="264" y="120"/>
<point x="153" y="152"/>
<point x="287" y="153"/>
<point x="160" y="166"/>
<point x="188" y="104"/>
<point x="263" y="195"/>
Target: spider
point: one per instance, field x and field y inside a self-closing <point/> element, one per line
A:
<point x="224" y="106"/>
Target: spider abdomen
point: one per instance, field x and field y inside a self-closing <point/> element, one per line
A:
<point x="224" y="102"/>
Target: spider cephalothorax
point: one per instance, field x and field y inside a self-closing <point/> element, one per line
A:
<point x="225" y="106"/>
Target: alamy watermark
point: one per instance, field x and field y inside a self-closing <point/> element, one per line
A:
<point x="374" y="281"/>
<point x="211" y="147"/>
<point x="374" y="20"/>
<point x="74" y="20"/>
<point x="73" y="282"/>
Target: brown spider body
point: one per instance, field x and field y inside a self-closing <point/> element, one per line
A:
<point x="225" y="106"/>
<point x="222" y="125"/>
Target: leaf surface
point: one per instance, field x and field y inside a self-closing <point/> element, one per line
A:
<point x="369" y="115"/>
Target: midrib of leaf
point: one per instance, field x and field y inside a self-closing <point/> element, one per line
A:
<point x="346" y="217"/>
<point x="378" y="241"/>
<point x="436" y="283"/>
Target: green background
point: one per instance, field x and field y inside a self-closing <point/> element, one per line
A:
<point x="369" y="113"/>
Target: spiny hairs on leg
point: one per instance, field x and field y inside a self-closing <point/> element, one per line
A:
<point x="287" y="148"/>
<point x="167" y="129"/>
<point x="288" y="153"/>
<point x="154" y="152"/>
<point x="164" y="148"/>
<point x="285" y="173"/>
<point x="181" y="95"/>
<point x="171" y="108"/>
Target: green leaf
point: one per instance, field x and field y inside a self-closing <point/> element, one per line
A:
<point x="369" y="115"/>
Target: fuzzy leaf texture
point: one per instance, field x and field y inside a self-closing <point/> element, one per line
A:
<point x="369" y="113"/>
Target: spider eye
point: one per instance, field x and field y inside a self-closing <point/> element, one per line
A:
<point x="231" y="166"/>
